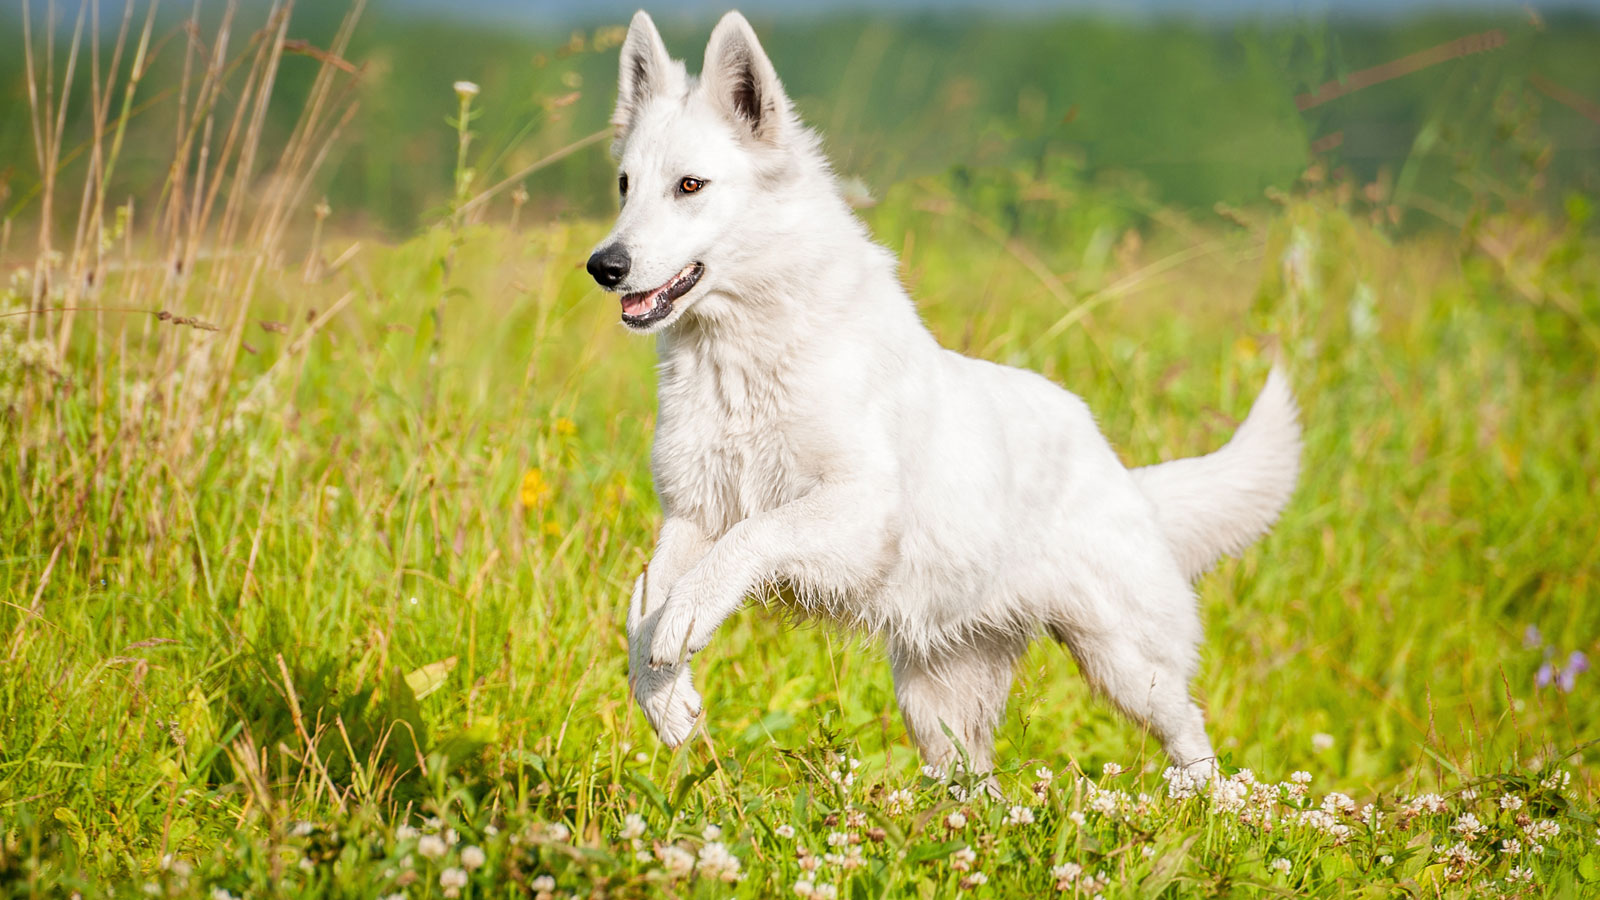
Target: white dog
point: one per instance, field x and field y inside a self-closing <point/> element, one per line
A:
<point x="815" y="443"/>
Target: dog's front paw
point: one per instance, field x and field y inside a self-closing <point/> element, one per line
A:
<point x="667" y="696"/>
<point x="671" y="641"/>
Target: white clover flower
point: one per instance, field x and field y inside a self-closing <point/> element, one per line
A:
<point x="473" y="857"/>
<point x="1182" y="783"/>
<point x="1424" y="803"/>
<point x="1541" y="830"/>
<point x="453" y="880"/>
<point x="1019" y="815"/>
<point x="431" y="846"/>
<point x="1111" y="770"/>
<point x="542" y="884"/>
<point x="1044" y="774"/>
<point x="1229" y="796"/>
<point x="855" y="818"/>
<point x="1282" y="865"/>
<point x="1511" y="846"/>
<point x="1386" y="859"/>
<point x="1338" y="803"/>
<point x="711" y="833"/>
<point x="804" y="888"/>
<point x="975" y="879"/>
<point x="1520" y="874"/>
<point x="677" y="861"/>
<point x="1077" y="818"/>
<point x="1300" y="777"/>
<point x="785" y="831"/>
<point x="221" y="893"/>
<point x="1468" y="826"/>
<point x="899" y="800"/>
<point x="1557" y="780"/>
<point x="1510" y="802"/>
<point x="838" y="839"/>
<point x="405" y="833"/>
<point x="826" y="892"/>
<point x="717" y="862"/>
<point x="962" y="859"/>
<point x="959" y="793"/>
<point x="465" y="89"/>
<point x="808" y="862"/>
<point x="955" y="821"/>
<point x="1469" y="794"/>
<point x="632" y="827"/>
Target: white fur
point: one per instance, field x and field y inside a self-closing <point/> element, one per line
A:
<point x="816" y="445"/>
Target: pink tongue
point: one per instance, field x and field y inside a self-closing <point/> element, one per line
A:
<point x="638" y="304"/>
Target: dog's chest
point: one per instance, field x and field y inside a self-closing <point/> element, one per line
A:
<point x="724" y="447"/>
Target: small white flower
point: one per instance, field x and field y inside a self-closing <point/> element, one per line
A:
<point x="958" y="792"/>
<point x="785" y="831"/>
<point x="1542" y="830"/>
<point x="1019" y="815"/>
<point x="711" y="833"/>
<point x="221" y="893"/>
<point x="1321" y="741"/>
<point x="542" y="884"/>
<point x="677" y="861"/>
<point x="431" y="846"/>
<point x="826" y="892"/>
<point x="473" y="857"/>
<point x="955" y="821"/>
<point x="465" y="89"/>
<point x="1077" y="818"/>
<point x="632" y="827"/>
<point x="405" y="833"/>
<point x="1520" y="874"/>
<point x="838" y="839"/>
<point x="1386" y="859"/>
<point x="302" y="829"/>
<point x="453" y="880"/>
<point x="1510" y="802"/>
<point x="804" y="888"/>
<point x="1300" y="777"/>
<point x="1110" y="770"/>
<point x="962" y="859"/>
<point x="1468" y="826"/>
<point x="717" y="862"/>
<point x="976" y="878"/>
<point x="1282" y="865"/>
<point x="1044" y="774"/>
<point x="931" y="772"/>
<point x="1511" y="846"/>
<point x="899" y="800"/>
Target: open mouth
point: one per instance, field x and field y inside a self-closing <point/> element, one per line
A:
<point x="646" y="308"/>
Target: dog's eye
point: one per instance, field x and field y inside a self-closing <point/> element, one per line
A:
<point x="690" y="185"/>
<point x="622" y="185"/>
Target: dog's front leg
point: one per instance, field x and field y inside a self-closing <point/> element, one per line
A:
<point x="834" y="540"/>
<point x="666" y="694"/>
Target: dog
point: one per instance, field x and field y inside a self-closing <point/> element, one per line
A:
<point x="817" y="447"/>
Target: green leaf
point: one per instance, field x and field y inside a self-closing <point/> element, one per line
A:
<point x="430" y="677"/>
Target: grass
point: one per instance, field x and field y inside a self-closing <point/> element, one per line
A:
<point x="330" y="601"/>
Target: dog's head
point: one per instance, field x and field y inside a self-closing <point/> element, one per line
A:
<point x="692" y="156"/>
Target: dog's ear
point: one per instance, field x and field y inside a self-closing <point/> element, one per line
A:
<point x="644" y="72"/>
<point x="740" y="79"/>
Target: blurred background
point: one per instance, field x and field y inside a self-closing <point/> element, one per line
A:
<point x="1163" y="103"/>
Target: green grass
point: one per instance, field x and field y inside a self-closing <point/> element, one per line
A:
<point x="317" y="621"/>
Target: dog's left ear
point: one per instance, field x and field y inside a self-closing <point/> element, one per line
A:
<point x="740" y="79"/>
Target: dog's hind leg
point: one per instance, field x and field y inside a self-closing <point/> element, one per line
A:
<point x="1146" y="674"/>
<point x="963" y="689"/>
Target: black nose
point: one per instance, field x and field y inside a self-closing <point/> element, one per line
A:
<point x="609" y="265"/>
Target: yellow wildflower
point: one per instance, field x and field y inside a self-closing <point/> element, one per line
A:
<point x="535" y="490"/>
<point x="566" y="427"/>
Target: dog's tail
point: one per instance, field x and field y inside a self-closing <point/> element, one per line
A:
<point x="1221" y="503"/>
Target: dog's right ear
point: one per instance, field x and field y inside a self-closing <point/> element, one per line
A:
<point x="644" y="72"/>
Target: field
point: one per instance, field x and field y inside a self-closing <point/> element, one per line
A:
<point x="316" y="530"/>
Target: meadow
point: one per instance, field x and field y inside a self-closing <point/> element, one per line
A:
<point x="316" y="535"/>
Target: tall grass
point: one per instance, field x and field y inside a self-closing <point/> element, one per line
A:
<point x="314" y="568"/>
